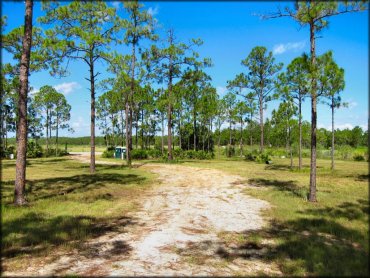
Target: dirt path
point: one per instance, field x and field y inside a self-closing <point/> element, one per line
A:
<point x="178" y="232"/>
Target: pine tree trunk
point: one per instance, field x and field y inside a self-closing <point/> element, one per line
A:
<point x="241" y="137"/>
<point x="92" y="127"/>
<point x="56" y="136"/>
<point x="162" y="114"/>
<point x="300" y="134"/>
<point x="20" y="168"/>
<point x="47" y="130"/>
<point x="195" y="129"/>
<point x="312" y="193"/>
<point x="332" y="134"/>
<point x="261" y="122"/>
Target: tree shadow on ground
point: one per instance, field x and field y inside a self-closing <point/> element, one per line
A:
<point x="52" y="187"/>
<point x="288" y="186"/>
<point x="314" y="244"/>
<point x="34" y="233"/>
<point x="363" y="178"/>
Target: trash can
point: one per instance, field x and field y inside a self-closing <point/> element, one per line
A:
<point x="120" y="152"/>
<point x="11" y="156"/>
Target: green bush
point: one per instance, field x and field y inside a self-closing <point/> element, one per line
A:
<point x="108" y="153"/>
<point x="179" y="153"/>
<point x="230" y="151"/>
<point x="257" y="156"/>
<point x="139" y="154"/>
<point x="51" y="153"/>
<point x="154" y="153"/>
<point x="34" y="150"/>
<point x="358" y="157"/>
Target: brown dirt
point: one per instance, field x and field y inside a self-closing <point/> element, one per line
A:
<point x="176" y="232"/>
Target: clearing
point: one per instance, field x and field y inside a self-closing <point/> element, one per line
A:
<point x="182" y="228"/>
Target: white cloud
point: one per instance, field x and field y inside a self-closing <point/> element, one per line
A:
<point x="80" y="123"/>
<point x="281" y="48"/>
<point x="67" y="87"/>
<point x="116" y="4"/>
<point x="221" y="90"/>
<point x="33" y="91"/>
<point x="152" y="11"/>
<point x="352" y="104"/>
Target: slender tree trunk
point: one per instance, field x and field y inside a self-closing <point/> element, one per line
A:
<point x="230" y="139"/>
<point x="20" y="167"/>
<point x="300" y="134"/>
<point x="169" y="130"/>
<point x="56" y="136"/>
<point x="290" y="147"/>
<point x="129" y="108"/>
<point x="241" y="137"/>
<point x="332" y="134"/>
<point x="162" y="114"/>
<point x="122" y="128"/>
<point x="92" y="127"/>
<point x="47" y="130"/>
<point x="195" y="128"/>
<point x="261" y="121"/>
<point x="127" y="118"/>
<point x="180" y="129"/>
<point x="312" y="193"/>
<point x="142" y="130"/>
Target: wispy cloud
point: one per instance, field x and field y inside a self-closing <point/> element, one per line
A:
<point x="351" y="104"/>
<point x="33" y="91"/>
<point x="116" y="4"/>
<point x="67" y="87"/>
<point x="281" y="48"/>
<point x="80" y="123"/>
<point x="221" y="90"/>
<point x="152" y="11"/>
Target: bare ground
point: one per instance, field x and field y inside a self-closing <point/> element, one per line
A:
<point x="177" y="232"/>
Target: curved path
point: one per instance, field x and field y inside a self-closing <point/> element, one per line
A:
<point x="178" y="232"/>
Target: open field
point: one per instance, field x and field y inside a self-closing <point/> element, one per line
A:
<point x="68" y="207"/>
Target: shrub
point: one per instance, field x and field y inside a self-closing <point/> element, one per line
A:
<point x="154" y="153"/>
<point x="230" y="151"/>
<point x="51" y="153"/>
<point x="179" y="153"/>
<point x="108" y="153"/>
<point x="139" y="154"/>
<point x="358" y="157"/>
<point x="34" y="150"/>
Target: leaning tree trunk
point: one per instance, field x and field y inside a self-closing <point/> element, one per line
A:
<point x="20" y="168"/>
<point x="312" y="193"/>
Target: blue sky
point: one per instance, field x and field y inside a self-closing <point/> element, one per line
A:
<point x="230" y="31"/>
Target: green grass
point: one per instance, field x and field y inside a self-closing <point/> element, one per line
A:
<point x="67" y="206"/>
<point x="330" y="237"/>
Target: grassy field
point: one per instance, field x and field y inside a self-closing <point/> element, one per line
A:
<point x="330" y="237"/>
<point x="67" y="206"/>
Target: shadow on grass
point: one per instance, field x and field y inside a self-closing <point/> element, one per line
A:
<point x="52" y="187"/>
<point x="288" y="186"/>
<point x="34" y="233"/>
<point x="313" y="244"/>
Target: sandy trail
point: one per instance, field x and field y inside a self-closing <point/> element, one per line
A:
<point x="176" y="232"/>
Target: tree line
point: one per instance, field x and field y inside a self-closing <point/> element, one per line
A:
<point x="185" y="100"/>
